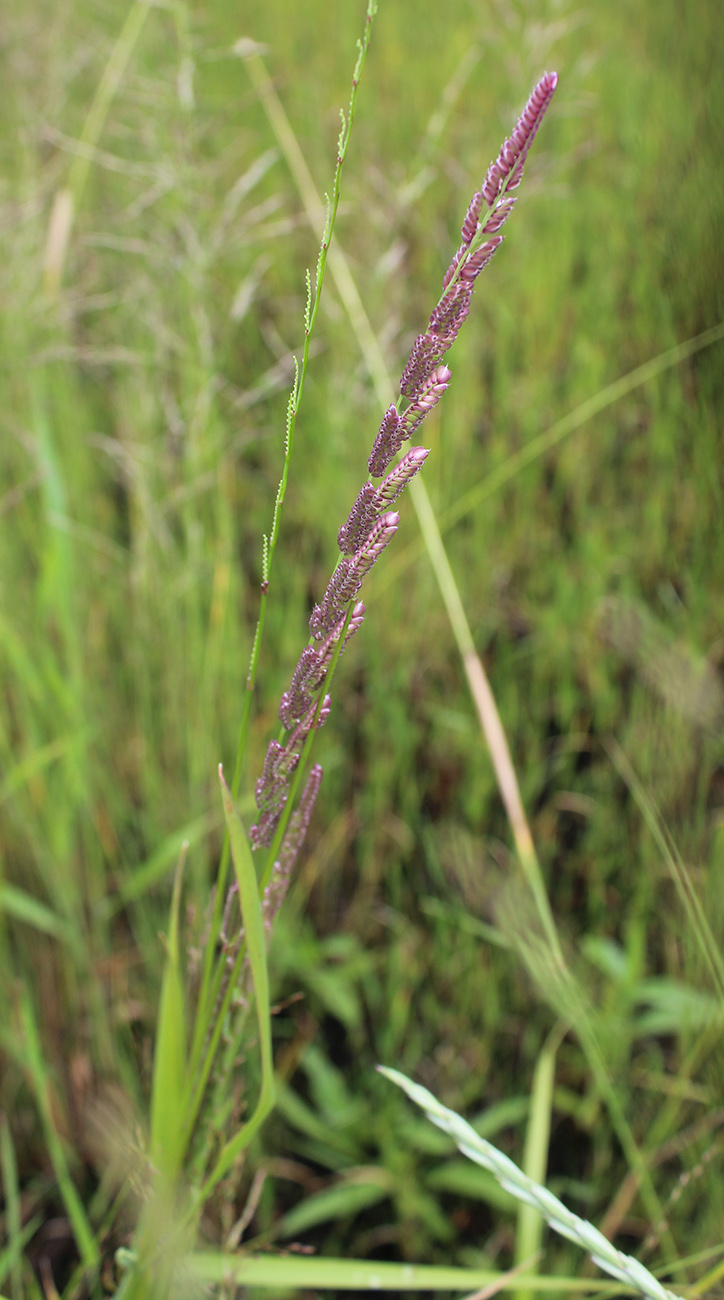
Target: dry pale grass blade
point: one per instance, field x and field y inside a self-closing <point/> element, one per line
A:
<point x="67" y="199"/>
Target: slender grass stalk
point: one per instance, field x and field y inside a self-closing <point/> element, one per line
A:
<point x="210" y="984"/>
<point x="169" y="1065"/>
<point x="535" y="1156"/>
<point x="13" y="1219"/>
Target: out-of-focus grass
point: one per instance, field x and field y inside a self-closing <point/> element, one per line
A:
<point x="142" y="417"/>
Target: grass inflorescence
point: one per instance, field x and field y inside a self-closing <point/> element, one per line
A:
<point x="506" y="885"/>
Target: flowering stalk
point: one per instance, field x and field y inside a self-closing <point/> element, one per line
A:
<point x="371" y="525"/>
<point x="213" y="971"/>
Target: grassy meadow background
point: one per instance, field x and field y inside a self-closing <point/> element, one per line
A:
<point x="143" y="388"/>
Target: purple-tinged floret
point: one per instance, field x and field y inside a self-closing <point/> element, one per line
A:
<point x="470" y="223"/>
<point x="342" y="586"/>
<point x="480" y="258"/>
<point x="326" y="650"/>
<point x="387" y="443"/>
<point x="271" y="792"/>
<point x="499" y="215"/>
<point x="295" y="702"/>
<point x="428" y="351"/>
<point x="506" y="171"/>
<point x="450" y="312"/>
<point x="300" y="733"/>
<point x="457" y="259"/>
<point x="380" y="536"/>
<point x="398" y="478"/>
<point x="358" y="524"/>
<point x="429" y="396"/>
<point x="276" y="890"/>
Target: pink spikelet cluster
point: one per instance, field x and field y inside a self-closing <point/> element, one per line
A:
<point x="371" y="525"/>
<point x="505" y="173"/>
<point x="489" y="209"/>
<point x="276" y="890"/>
<point x="387" y="443"/>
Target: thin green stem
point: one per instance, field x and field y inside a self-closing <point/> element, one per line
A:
<point x="209" y="979"/>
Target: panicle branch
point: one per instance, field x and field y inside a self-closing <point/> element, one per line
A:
<point x="387" y="443"/>
<point x="507" y="170"/>
<point x="276" y="890"/>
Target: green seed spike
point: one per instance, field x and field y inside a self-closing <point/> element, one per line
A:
<point x="291" y="406"/>
<point x="308" y="307"/>
<point x="327" y="224"/>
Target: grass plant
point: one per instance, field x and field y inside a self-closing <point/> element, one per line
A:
<point x="528" y="927"/>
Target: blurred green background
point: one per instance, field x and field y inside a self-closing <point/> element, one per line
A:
<point x="143" y="384"/>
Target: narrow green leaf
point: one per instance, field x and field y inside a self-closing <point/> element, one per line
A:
<point x="535" y="1156"/>
<point x="23" y="907"/>
<point x="16" y="1235"/>
<point x="462" y="1178"/>
<point x="169" y="1064"/>
<point x="344" y="1199"/>
<point x="256" y="948"/>
<point x="299" y="1274"/>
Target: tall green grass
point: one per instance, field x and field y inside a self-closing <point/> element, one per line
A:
<point x="143" y="398"/>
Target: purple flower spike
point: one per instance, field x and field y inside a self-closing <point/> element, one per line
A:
<point x="398" y="478"/>
<point x="343" y="585"/>
<point x="300" y="820"/>
<point x="291" y="754"/>
<point x="450" y="313"/>
<point x="358" y="524"/>
<point x="295" y="702"/>
<point x="271" y="795"/>
<point x="479" y="259"/>
<point x="367" y="531"/>
<point x="268" y="771"/>
<point x="428" y="351"/>
<point x="430" y="394"/>
<point x="276" y="890"/>
<point x="470" y="224"/>
<point x="512" y="156"/>
<point x="454" y="265"/>
<point x="299" y="823"/>
<point x="498" y="218"/>
<point x="380" y="537"/>
<point x="326" y="650"/>
<point x="387" y="443"/>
